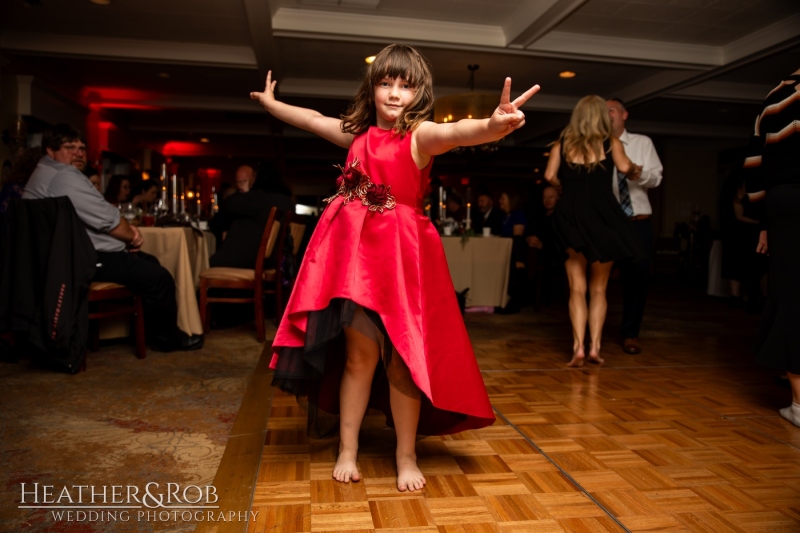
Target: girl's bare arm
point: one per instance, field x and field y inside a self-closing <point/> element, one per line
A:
<point x="328" y="128"/>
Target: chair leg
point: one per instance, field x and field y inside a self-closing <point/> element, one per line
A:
<point x="94" y="335"/>
<point x="205" y="312"/>
<point x="138" y="332"/>
<point x="258" y="305"/>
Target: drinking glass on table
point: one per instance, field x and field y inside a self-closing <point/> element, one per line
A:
<point x="131" y="213"/>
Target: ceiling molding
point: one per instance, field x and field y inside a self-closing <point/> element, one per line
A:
<point x="318" y="88"/>
<point x="129" y="49"/>
<point x="260" y="130"/>
<point x="259" y="22"/>
<point x="781" y="32"/>
<point x="524" y="17"/>
<point x="676" y="129"/>
<point x="722" y="91"/>
<point x="647" y="87"/>
<point x="772" y="45"/>
<point x="545" y="21"/>
<point x="610" y="48"/>
<point x="326" y="23"/>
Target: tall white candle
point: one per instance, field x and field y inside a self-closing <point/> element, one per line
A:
<point x="174" y="194"/>
<point x="164" y="186"/>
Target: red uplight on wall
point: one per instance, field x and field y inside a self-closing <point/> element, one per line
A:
<point x="117" y="98"/>
<point x="183" y="148"/>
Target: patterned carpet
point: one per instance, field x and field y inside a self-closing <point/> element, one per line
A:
<point x="125" y="421"/>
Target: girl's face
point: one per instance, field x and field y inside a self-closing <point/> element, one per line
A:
<point x="392" y="97"/>
<point x="504" y="203"/>
<point x="150" y="195"/>
<point x="124" y="190"/>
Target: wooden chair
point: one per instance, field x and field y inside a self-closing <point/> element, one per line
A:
<point x="244" y="279"/>
<point x="131" y="304"/>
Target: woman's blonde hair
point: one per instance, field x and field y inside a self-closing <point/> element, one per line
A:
<point x="394" y="61"/>
<point x="589" y="127"/>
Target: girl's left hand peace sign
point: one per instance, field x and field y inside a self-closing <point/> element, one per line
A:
<point x="507" y="117"/>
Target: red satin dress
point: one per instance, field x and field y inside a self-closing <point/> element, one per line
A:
<point x="390" y="262"/>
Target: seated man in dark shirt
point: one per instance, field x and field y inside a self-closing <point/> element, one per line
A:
<point x="487" y="215"/>
<point x="539" y="233"/>
<point x="116" y="242"/>
<point x="241" y="219"/>
<point x="544" y="257"/>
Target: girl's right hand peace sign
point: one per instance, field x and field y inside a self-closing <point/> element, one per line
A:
<point x="507" y="117"/>
<point x="267" y="97"/>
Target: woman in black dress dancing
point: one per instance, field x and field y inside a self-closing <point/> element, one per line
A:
<point x="588" y="220"/>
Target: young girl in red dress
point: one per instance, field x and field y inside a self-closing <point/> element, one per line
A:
<point x="374" y="286"/>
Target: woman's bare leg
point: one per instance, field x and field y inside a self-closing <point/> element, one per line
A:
<point x="598" y="305"/>
<point x="405" y="411"/>
<point x="362" y="359"/>
<point x="576" y="273"/>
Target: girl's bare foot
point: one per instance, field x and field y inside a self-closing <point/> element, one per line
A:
<point x="594" y="355"/>
<point x="346" y="470"/>
<point x="409" y="476"/>
<point x="577" y="356"/>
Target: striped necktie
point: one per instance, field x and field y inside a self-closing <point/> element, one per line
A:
<point x="624" y="194"/>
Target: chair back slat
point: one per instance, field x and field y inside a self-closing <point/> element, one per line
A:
<point x="273" y="238"/>
<point x="266" y="237"/>
<point x="297" y="231"/>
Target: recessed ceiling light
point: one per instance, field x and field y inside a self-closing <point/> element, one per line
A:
<point x="101" y="2"/>
<point x="164" y="75"/>
<point x="369" y="59"/>
<point x="204" y="139"/>
<point x="566" y="74"/>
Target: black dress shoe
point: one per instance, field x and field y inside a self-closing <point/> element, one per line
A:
<point x="631" y="346"/>
<point x="178" y="343"/>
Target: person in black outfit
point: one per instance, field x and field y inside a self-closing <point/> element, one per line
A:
<point x="487" y="215"/>
<point x="589" y="224"/>
<point x="774" y="176"/>
<point x="241" y="219"/>
<point x="739" y="228"/>
<point x="117" y="243"/>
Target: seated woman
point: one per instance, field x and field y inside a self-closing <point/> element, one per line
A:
<point x="514" y="223"/>
<point x="144" y="195"/>
<point x="94" y="177"/>
<point x="118" y="190"/>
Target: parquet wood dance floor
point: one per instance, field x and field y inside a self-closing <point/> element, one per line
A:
<point x="684" y="437"/>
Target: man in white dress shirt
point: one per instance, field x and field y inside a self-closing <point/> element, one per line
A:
<point x="632" y="195"/>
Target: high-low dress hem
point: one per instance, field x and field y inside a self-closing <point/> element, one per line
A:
<point x="392" y="264"/>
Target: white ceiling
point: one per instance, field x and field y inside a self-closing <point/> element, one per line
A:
<point x="216" y="51"/>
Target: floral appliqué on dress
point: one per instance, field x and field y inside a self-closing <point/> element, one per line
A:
<point x="354" y="184"/>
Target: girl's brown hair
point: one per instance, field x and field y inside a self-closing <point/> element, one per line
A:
<point x="394" y="61"/>
<point x="589" y="127"/>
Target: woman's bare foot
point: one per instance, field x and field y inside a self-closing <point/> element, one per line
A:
<point x="577" y="356"/>
<point x="346" y="469"/>
<point x="594" y="355"/>
<point x="409" y="476"/>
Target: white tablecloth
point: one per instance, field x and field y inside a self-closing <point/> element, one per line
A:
<point x="482" y="265"/>
<point x="184" y="253"/>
